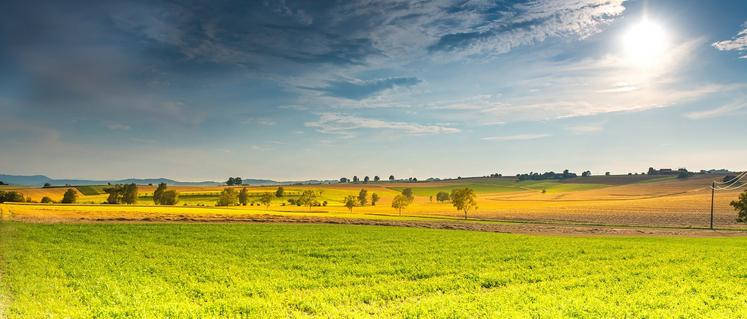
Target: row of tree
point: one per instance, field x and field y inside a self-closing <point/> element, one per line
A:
<point x="547" y="175"/>
<point x="361" y="200"/>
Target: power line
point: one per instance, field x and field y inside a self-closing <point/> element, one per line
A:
<point x="732" y="184"/>
<point x="731" y="181"/>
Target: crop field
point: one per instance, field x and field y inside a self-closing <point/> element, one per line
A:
<point x="601" y="200"/>
<point x="279" y="271"/>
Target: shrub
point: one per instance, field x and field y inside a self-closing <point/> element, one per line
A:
<point x="70" y="196"/>
<point x="227" y="197"/>
<point x="169" y="197"/>
<point x="740" y="205"/>
<point x="46" y="200"/>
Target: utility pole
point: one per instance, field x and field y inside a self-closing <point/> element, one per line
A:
<point x="713" y="194"/>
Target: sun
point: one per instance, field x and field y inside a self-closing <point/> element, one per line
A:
<point x="645" y="44"/>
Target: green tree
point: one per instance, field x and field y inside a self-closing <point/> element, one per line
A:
<point x="442" y="197"/>
<point x="158" y="192"/>
<point x="464" y="200"/>
<point x="115" y="194"/>
<point x="377" y="178"/>
<point x="308" y="198"/>
<point x="129" y="194"/>
<point x="407" y="192"/>
<point x="244" y="196"/>
<point x="363" y="197"/>
<point x="366" y="179"/>
<point x="350" y="202"/>
<point x="401" y="202"/>
<point x="70" y="196"/>
<point x="227" y="197"/>
<point x="234" y="181"/>
<point x="391" y="178"/>
<point x="169" y="197"/>
<point x="374" y="199"/>
<point x="740" y="205"/>
<point x="280" y="192"/>
<point x="46" y="200"/>
<point x="266" y="199"/>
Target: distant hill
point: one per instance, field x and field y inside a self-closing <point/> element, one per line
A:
<point x="40" y="180"/>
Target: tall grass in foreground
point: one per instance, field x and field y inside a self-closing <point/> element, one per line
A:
<point x="275" y="270"/>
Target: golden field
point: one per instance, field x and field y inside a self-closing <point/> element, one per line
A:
<point x="602" y="200"/>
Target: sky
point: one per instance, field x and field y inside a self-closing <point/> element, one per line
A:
<point x="294" y="90"/>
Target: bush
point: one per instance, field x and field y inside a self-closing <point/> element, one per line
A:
<point x="46" y="200"/>
<point x="169" y="197"/>
<point x="740" y="205"/>
<point x="11" y="197"/>
<point x="442" y="197"/>
<point x="70" y="196"/>
<point x="228" y="197"/>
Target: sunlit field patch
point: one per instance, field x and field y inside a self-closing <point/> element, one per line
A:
<point x="265" y="271"/>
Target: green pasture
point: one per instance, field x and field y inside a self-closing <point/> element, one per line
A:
<point x="500" y="186"/>
<point x="281" y="271"/>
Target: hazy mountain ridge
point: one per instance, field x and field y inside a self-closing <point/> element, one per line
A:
<point x="39" y="180"/>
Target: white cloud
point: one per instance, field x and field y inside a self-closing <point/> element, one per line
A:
<point x="517" y="137"/>
<point x="259" y="120"/>
<point x="345" y="124"/>
<point x="716" y="112"/>
<point x="737" y="43"/>
<point x="585" y="129"/>
<point x="117" y="126"/>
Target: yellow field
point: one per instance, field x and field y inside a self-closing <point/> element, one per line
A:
<point x="615" y="200"/>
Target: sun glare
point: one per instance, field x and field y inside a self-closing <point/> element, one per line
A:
<point x="645" y="44"/>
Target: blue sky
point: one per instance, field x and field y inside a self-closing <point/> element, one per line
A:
<point x="323" y="89"/>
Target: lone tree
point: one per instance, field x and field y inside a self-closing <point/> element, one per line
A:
<point x="234" y="181"/>
<point x="391" y="178"/>
<point x="376" y="178"/>
<point x="46" y="185"/>
<point x="407" y="192"/>
<point x="308" y="198"/>
<point x="227" y="197"/>
<point x="46" y="200"/>
<point x="374" y="199"/>
<point x="366" y="179"/>
<point x="400" y="202"/>
<point x="350" y="202"/>
<point x="129" y="194"/>
<point x="442" y="197"/>
<point x="355" y="179"/>
<point x="740" y="206"/>
<point x="158" y="192"/>
<point x="464" y="200"/>
<point x="169" y="197"/>
<point x="266" y="199"/>
<point x="280" y="192"/>
<point x="243" y="196"/>
<point x="70" y="196"/>
<point x="363" y="197"/>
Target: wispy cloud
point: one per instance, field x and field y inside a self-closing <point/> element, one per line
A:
<point x="117" y="126"/>
<point x="266" y="121"/>
<point x="737" y="43"/>
<point x="346" y="124"/>
<point x="517" y="137"/>
<point x="357" y="89"/>
<point x="585" y="129"/>
<point x="719" y="111"/>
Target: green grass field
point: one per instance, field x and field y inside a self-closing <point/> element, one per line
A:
<point x="500" y="186"/>
<point x="280" y="270"/>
